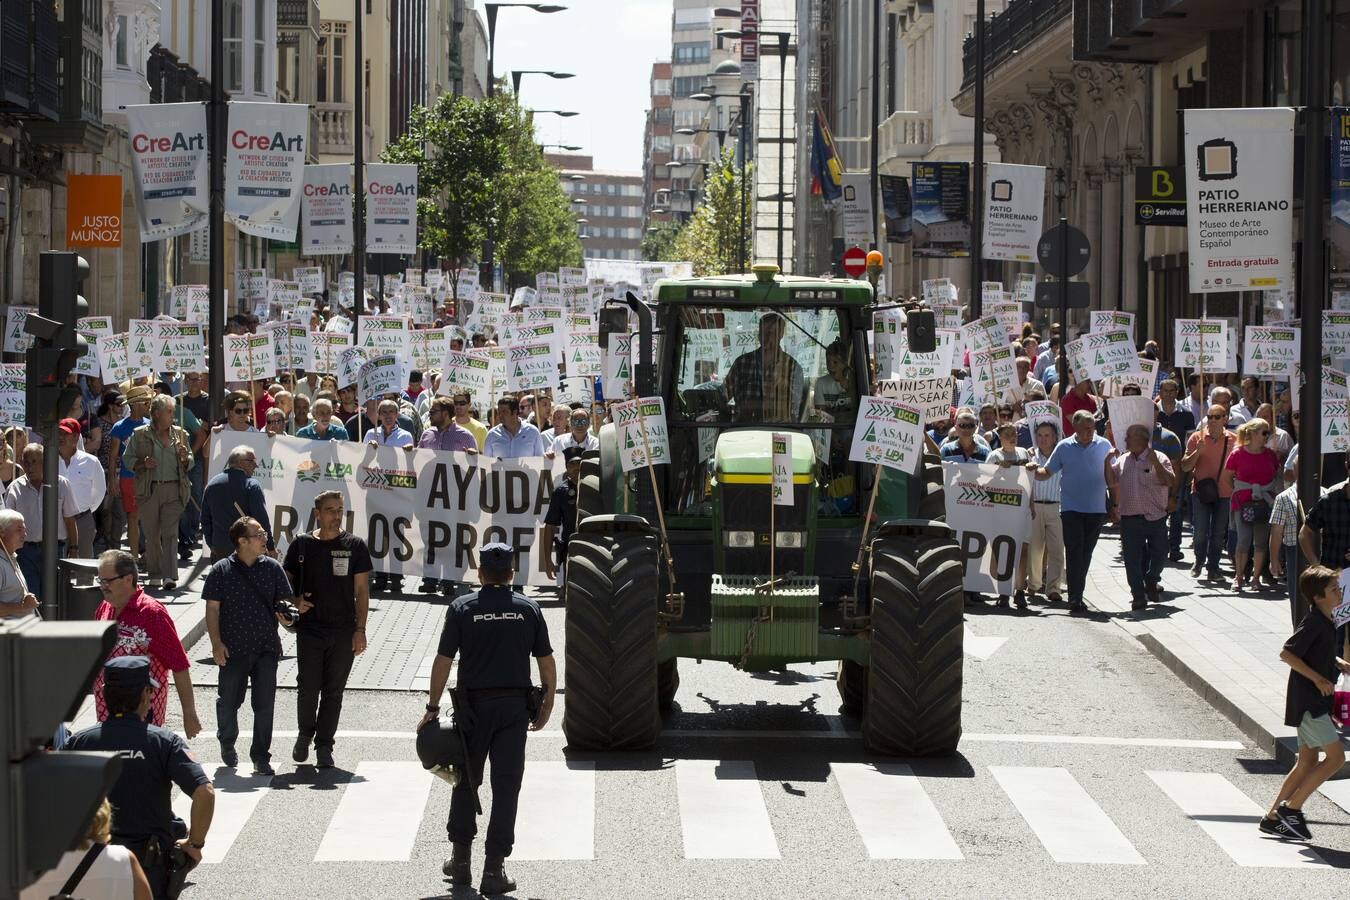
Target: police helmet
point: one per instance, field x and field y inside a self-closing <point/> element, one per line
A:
<point x="441" y="750"/>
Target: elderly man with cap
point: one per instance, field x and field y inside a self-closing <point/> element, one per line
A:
<point x="124" y="479"/>
<point x="154" y="759"/>
<point x="495" y="631"/>
<point x="24" y="495"/>
<point x="87" y="481"/>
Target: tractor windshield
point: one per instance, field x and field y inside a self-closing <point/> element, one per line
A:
<point x="781" y="366"/>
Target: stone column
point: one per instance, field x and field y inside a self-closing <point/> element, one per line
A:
<point x="1092" y="227"/>
<point x="1133" y="247"/>
<point x="1112" y="203"/>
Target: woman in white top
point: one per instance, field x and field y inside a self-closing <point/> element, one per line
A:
<point x="1009" y="454"/>
<point x="115" y="874"/>
<point x="15" y="598"/>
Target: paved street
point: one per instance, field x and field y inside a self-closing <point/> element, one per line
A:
<point x="1086" y="769"/>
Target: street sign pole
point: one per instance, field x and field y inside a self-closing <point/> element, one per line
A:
<point x="1063" y="276"/>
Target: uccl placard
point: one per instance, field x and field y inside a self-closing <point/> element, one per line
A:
<point x="168" y="161"/>
<point x="989" y="508"/>
<point x="1201" y="343"/>
<point x="1239" y="197"/>
<point x="636" y="418"/>
<point x="888" y="433"/>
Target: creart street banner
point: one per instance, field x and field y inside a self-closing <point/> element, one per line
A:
<point x="265" y="167"/>
<point x="422" y="512"/>
<point x="1239" y="198"/>
<point x="989" y="508"/>
<point x="326" y="213"/>
<point x="391" y="208"/>
<point x="1014" y="207"/>
<point x="168" y="162"/>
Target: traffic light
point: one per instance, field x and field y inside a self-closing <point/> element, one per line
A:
<point x="46" y="798"/>
<point x="56" y="345"/>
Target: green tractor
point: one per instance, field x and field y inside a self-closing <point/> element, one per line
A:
<point x="674" y="561"/>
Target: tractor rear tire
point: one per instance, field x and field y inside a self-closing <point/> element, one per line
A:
<point x="852" y="684"/>
<point x="914" y="682"/>
<point x="667" y="683"/>
<point x="611" y="679"/>
<point x="590" y="498"/>
<point x="933" y="506"/>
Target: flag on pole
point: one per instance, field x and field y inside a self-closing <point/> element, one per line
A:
<point x="826" y="170"/>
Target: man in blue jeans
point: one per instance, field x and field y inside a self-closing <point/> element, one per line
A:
<point x="1084" y="463"/>
<point x="1206" y="452"/>
<point x="1144" y="480"/>
<point x="244" y="593"/>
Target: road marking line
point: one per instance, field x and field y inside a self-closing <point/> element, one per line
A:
<point x="549" y="787"/>
<point x="722" y="811"/>
<point x="980" y="647"/>
<point x="237" y="796"/>
<point x="1066" y="820"/>
<point x="1337" y="792"/>
<point x="894" y="815"/>
<point x="379" y="814"/>
<point x="1101" y="741"/>
<point x="1230" y="818"/>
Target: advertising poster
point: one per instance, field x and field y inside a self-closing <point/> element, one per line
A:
<point x="168" y="163"/>
<point x="941" y="208"/>
<point x="1239" y="197"/>
<point x="93" y="210"/>
<point x="391" y="208"/>
<point x="1013" y="211"/>
<point x="326" y="211"/>
<point x="265" y="167"/>
<point x="898" y="209"/>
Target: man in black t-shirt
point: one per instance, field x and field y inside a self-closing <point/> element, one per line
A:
<point x="561" y="519"/>
<point x="154" y="759"/>
<point x="329" y="568"/>
<point x="495" y="631"/>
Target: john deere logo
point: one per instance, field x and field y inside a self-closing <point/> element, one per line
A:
<point x="387" y="479"/>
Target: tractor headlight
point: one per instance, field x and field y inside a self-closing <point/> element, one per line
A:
<point x="740" y="539"/>
<point x="785" y="540"/>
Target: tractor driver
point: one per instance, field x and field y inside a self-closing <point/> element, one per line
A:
<point x="767" y="384"/>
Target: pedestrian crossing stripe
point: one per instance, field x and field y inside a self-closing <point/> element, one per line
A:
<point x="723" y="814"/>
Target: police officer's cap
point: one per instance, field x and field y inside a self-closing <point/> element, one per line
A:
<point x="441" y="750"/>
<point x="572" y="453"/>
<point x="130" y="673"/>
<point x="497" y="557"/>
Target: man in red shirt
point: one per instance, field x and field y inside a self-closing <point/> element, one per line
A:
<point x="1080" y="397"/>
<point x="144" y="628"/>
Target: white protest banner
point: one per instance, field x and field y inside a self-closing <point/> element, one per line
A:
<point x="112" y="358"/>
<point x="91" y="328"/>
<point x="1127" y="411"/>
<point x="887" y="335"/>
<point x="265" y="167"/>
<point x="427" y="350"/>
<point x="349" y="366"/>
<point x="391" y="208"/>
<point x="637" y="417"/>
<point x="932" y="397"/>
<point x="385" y="334"/>
<point x="938" y="364"/>
<point x="989" y="508"/>
<point x="13" y="395"/>
<point x="994" y="371"/>
<point x="1040" y="412"/>
<point x="1194" y="334"/>
<point x="1014" y="207"/>
<point x="309" y="278"/>
<point x="470" y="372"/>
<point x="143" y="346"/>
<point x="386" y="373"/>
<point x="782" y="469"/>
<point x="982" y="333"/>
<point x="249" y="357"/>
<point x="1101" y="354"/>
<point x="326" y="213"/>
<point x="326" y="349"/>
<point x="531" y="365"/>
<point x="618" y="377"/>
<point x="888" y="433"/>
<point x="16" y="339"/>
<point x="1145" y="379"/>
<point x="169" y="164"/>
<point x="1335" y="334"/>
<point x="1010" y="314"/>
<point x="1271" y="352"/>
<point x="1240" y="213"/>
<point x="182" y="346"/>
<point x="1111" y="320"/>
<point x="422" y="512"/>
<point x="948" y="317"/>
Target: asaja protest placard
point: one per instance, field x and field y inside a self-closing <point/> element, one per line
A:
<point x="16" y="339"/>
<point x="182" y="346"/>
<point x="1099" y="355"/>
<point x="1271" y="352"/>
<point x="782" y="469"/>
<point x="91" y="328"/>
<point x="1010" y="314"/>
<point x="13" y="396"/>
<point x="248" y="357"/>
<point x="1041" y="412"/>
<point x="931" y="396"/>
<point x="1111" y="320"/>
<point x="326" y="349"/>
<point x="618" y="378"/>
<point x="466" y="371"/>
<point x="989" y="508"/>
<point x="888" y="433"/>
<point x="636" y="418"/>
<point x="384" y="373"/>
<point x="531" y="366"/>
<point x="994" y="373"/>
<point x="1201" y="343"/>
<point x="938" y="364"/>
<point x="112" y="358"/>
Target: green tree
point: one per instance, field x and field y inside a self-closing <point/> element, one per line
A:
<point x="711" y="239"/>
<point x="658" y="244"/>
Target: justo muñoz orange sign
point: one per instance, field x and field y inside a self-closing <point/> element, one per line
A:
<point x="93" y="211"/>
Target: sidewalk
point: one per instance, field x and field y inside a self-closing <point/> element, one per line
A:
<point x="1225" y="646"/>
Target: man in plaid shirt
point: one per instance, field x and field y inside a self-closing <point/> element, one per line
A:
<point x="767" y="383"/>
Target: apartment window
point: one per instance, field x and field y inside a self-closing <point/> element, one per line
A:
<point x="660" y="87"/>
<point x="332" y="50"/>
<point x="234" y="45"/>
<point x="690" y="19"/>
<point x="691" y="53"/>
<point x="121" y="48"/>
<point x="686" y="85"/>
<point x="661" y="143"/>
<point x="688" y="118"/>
<point x="259" y="46"/>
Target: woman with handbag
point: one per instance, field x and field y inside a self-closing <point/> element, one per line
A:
<point x="1252" y="476"/>
<point x="160" y="456"/>
<point x="1206" y="451"/>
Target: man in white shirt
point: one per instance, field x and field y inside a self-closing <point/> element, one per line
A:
<point x="24" y="495"/>
<point x="388" y="433"/>
<point x="85" y="474"/>
<point x="578" y="435"/>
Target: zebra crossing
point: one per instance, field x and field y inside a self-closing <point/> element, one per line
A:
<point x="723" y="815"/>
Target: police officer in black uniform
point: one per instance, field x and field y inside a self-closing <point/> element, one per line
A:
<point x="495" y="631"/>
<point x="154" y="759"/>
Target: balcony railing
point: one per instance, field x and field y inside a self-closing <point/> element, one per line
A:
<point x="298" y="14"/>
<point x="336" y="127"/>
<point x="906" y="133"/>
<point x="1017" y="26"/>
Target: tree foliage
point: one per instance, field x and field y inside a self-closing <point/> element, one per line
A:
<point x="658" y="244"/>
<point x="480" y="174"/>
<point x="711" y="239"/>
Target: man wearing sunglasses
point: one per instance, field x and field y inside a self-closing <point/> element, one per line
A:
<point x="578" y="434"/>
<point x="464" y="418"/>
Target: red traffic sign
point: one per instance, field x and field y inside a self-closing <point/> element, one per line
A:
<point x="855" y="261"/>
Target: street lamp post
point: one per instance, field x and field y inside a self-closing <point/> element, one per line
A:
<point x="517" y="73"/>
<point x="977" y="163"/>
<point x="727" y="68"/>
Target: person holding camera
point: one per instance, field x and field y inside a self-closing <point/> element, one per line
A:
<point x="495" y="631"/>
<point x="246" y="595"/>
<point x="154" y="759"/>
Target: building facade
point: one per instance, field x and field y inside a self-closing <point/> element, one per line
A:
<point x="609" y="206"/>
